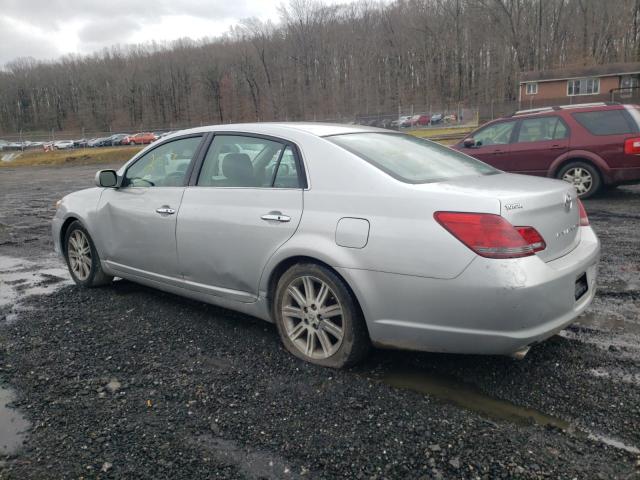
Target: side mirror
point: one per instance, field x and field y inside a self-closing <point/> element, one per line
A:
<point x="107" y="178"/>
<point x="469" y="142"/>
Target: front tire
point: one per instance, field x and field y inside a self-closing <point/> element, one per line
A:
<point x="318" y="318"/>
<point x="82" y="258"/>
<point x="583" y="176"/>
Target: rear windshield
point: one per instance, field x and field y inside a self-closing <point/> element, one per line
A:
<point x="411" y="159"/>
<point x="607" y="122"/>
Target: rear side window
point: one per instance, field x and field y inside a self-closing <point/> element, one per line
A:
<point x="541" y="129"/>
<point x="607" y="122"/>
<point x="249" y="162"/>
<point x="411" y="159"/>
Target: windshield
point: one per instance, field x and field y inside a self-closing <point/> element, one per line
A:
<point x="411" y="159"/>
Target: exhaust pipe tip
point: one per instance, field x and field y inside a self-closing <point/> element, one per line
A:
<point x="520" y="354"/>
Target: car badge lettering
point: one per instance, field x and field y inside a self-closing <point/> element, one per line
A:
<point x="512" y="206"/>
<point x="567" y="231"/>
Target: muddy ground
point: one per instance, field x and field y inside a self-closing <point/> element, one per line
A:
<point x="128" y="382"/>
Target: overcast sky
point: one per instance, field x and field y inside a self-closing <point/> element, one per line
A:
<point x="47" y="29"/>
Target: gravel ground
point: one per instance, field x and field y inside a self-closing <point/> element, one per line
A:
<point x="129" y="382"/>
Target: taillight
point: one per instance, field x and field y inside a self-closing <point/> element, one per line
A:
<point x="490" y="235"/>
<point x="584" y="220"/>
<point x="532" y="237"/>
<point x="632" y="146"/>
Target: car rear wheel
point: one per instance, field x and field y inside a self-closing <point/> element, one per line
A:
<point x="318" y="319"/>
<point x="82" y="258"/>
<point x="583" y="176"/>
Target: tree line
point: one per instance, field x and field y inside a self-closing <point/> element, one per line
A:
<point x="321" y="62"/>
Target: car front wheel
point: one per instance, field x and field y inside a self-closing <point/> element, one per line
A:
<point x="318" y="319"/>
<point x="583" y="176"/>
<point x="82" y="258"/>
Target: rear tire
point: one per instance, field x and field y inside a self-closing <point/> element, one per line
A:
<point x="82" y="258"/>
<point x="318" y="319"/>
<point x="583" y="176"/>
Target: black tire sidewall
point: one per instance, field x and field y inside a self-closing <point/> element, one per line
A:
<point x="344" y="356"/>
<point x="95" y="259"/>
<point x="595" y="174"/>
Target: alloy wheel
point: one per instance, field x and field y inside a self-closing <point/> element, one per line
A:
<point x="79" y="253"/>
<point x="313" y="317"/>
<point x="580" y="178"/>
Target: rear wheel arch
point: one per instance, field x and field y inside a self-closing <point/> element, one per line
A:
<point x="581" y="162"/>
<point x="287" y="263"/>
<point x="596" y="162"/>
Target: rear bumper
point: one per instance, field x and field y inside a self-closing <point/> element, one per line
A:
<point x="618" y="176"/>
<point x="493" y="307"/>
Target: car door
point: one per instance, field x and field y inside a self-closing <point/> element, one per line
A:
<point x="538" y="142"/>
<point x="245" y="203"/>
<point x="492" y="144"/>
<point x="137" y="221"/>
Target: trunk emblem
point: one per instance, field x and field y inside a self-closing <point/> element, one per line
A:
<point x="512" y="206"/>
<point x="568" y="202"/>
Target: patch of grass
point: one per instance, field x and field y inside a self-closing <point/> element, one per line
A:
<point x="80" y="156"/>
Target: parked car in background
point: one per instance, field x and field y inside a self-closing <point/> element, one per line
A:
<point x="436" y="118"/>
<point x="3" y="143"/>
<point x="63" y="144"/>
<point x="405" y="121"/>
<point x="591" y="145"/>
<point x="451" y="118"/>
<point x="80" y="143"/>
<point x="139" y="139"/>
<point x="400" y="242"/>
<point x="115" y="139"/>
<point x="420" y="120"/>
<point x="96" y="142"/>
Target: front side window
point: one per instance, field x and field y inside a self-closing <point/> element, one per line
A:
<point x="496" y="134"/>
<point x="583" y="86"/>
<point x="541" y="129"/>
<point x="607" y="122"/>
<point x="411" y="159"/>
<point x="532" y="88"/>
<point x="164" y="166"/>
<point x="249" y="162"/>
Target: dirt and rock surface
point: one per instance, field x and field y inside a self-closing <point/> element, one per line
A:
<point x="129" y="382"/>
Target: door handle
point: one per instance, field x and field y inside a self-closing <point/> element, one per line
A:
<point x="165" y="210"/>
<point x="556" y="147"/>
<point x="276" y="216"/>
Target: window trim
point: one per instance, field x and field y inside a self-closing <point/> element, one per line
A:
<point x="143" y="153"/>
<point x="531" y="84"/>
<point x="302" y="172"/>
<point x="573" y="80"/>
<point x="517" y="132"/>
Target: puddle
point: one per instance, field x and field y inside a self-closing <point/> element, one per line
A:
<point x="468" y="397"/>
<point x="13" y="426"/>
<point x="253" y="464"/>
<point x="20" y="278"/>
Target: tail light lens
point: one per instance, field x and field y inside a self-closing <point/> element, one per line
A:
<point x="584" y="220"/>
<point x="632" y="146"/>
<point x="491" y="236"/>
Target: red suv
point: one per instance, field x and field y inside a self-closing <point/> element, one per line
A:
<point x="591" y="145"/>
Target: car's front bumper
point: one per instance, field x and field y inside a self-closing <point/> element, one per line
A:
<point x="493" y="307"/>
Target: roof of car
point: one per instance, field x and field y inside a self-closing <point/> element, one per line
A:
<point x="277" y="128"/>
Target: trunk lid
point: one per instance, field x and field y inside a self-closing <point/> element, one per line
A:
<point x="549" y="206"/>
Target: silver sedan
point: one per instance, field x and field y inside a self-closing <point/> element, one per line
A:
<point x="344" y="236"/>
